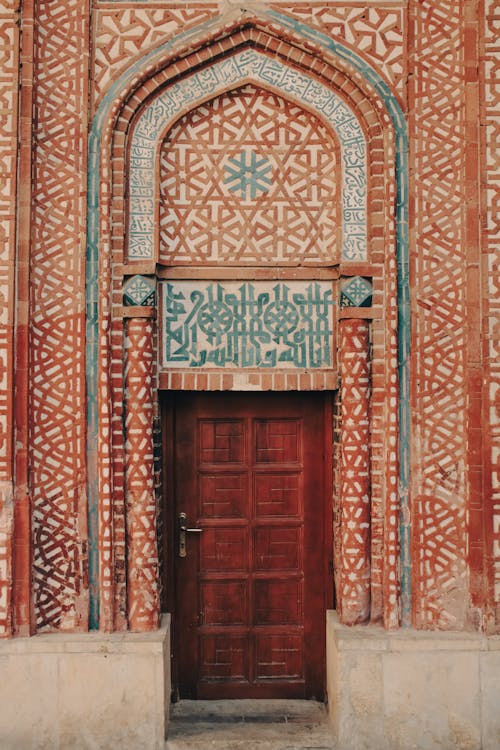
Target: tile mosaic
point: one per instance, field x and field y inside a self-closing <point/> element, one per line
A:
<point x="248" y="325"/>
<point x="356" y="292"/>
<point x="139" y="290"/>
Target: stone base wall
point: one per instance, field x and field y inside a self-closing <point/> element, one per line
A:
<point x="410" y="689"/>
<point x="85" y="692"/>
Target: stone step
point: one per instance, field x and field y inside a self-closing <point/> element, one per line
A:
<point x="249" y="724"/>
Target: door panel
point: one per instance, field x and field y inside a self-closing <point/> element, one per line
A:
<point x="251" y="592"/>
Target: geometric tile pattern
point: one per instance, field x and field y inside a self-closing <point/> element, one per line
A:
<point x="491" y="97"/>
<point x="248" y="175"/>
<point x="356" y="292"/>
<point x="57" y="381"/>
<point x="139" y="290"/>
<point x="253" y="64"/>
<point x="142" y="511"/>
<point x="9" y="34"/>
<point x="440" y="492"/>
<point x="57" y="398"/>
<point x="232" y="181"/>
<point x="353" y="540"/>
<point x="343" y="11"/>
<point x="258" y="324"/>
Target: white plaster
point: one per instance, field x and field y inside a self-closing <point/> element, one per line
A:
<point x="86" y="691"/>
<point x="412" y="689"/>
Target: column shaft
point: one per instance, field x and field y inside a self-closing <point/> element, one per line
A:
<point x="354" y="490"/>
<point x="142" y="512"/>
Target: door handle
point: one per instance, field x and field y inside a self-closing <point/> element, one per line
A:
<point x="183" y="530"/>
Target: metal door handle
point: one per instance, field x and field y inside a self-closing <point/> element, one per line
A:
<point x="183" y="530"/>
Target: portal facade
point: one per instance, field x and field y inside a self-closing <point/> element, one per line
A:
<point x="248" y="201"/>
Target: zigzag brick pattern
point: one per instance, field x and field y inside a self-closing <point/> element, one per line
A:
<point x="248" y="178"/>
<point x="57" y="315"/>
<point x="353" y="514"/>
<point x="142" y="511"/>
<point x="440" y="492"/>
<point x="9" y="57"/>
<point x="491" y="240"/>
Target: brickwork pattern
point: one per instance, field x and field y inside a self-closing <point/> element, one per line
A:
<point x="121" y="35"/>
<point x="221" y="380"/>
<point x="491" y="243"/>
<point x="142" y="511"/>
<point x="353" y="533"/>
<point x="440" y="265"/>
<point x="9" y="60"/>
<point x="439" y="464"/>
<point x="219" y="206"/>
<point x="246" y="172"/>
<point x="383" y="238"/>
<point x="377" y="34"/>
<point x="58" y="316"/>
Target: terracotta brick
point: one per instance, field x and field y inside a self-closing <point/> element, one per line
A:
<point x="454" y="298"/>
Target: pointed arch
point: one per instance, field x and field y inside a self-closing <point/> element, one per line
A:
<point x="248" y="65"/>
<point x="197" y="49"/>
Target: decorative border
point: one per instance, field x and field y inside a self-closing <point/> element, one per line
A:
<point x="101" y="121"/>
<point x="256" y="67"/>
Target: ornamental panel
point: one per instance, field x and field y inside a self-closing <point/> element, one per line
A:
<point x="439" y="490"/>
<point x="211" y="82"/>
<point x="249" y="178"/>
<point x="57" y="310"/>
<point x="247" y="324"/>
<point x="491" y="134"/>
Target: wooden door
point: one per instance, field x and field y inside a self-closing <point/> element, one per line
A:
<point x="251" y="591"/>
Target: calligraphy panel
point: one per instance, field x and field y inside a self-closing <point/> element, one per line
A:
<point x="211" y="324"/>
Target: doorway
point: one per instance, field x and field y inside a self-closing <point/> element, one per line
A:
<point x="248" y="478"/>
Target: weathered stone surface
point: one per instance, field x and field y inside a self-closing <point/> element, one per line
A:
<point x="85" y="692"/>
<point x="411" y="689"/>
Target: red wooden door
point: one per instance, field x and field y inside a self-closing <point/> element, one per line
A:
<point x="251" y="591"/>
